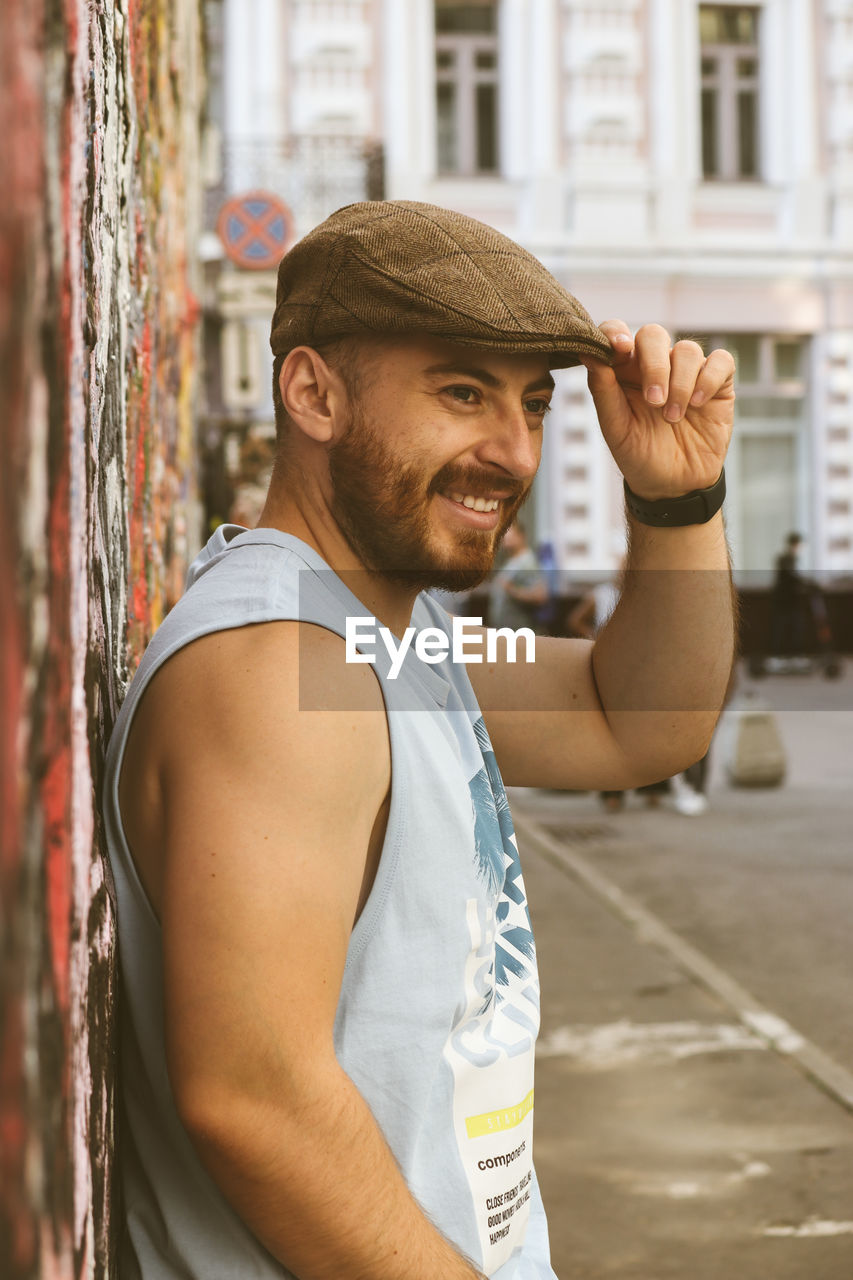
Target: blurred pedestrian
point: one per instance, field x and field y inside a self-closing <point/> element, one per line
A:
<point x="788" y="602"/>
<point x="519" y="587"/>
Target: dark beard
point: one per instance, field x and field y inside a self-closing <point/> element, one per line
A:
<point x="382" y="508"/>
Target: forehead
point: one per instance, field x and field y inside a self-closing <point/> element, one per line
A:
<point x="433" y="358"/>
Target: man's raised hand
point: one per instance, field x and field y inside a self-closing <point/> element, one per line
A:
<point x="665" y="411"/>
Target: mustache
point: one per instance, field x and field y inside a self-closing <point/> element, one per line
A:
<point x="477" y="483"/>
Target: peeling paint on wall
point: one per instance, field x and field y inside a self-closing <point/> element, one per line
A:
<point x="99" y="172"/>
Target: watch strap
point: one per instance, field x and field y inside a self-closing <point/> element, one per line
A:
<point x="691" y="508"/>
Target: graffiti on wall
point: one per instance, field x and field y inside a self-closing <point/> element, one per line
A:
<point x="99" y="168"/>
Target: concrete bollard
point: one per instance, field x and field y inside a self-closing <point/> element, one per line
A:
<point x="752" y="749"/>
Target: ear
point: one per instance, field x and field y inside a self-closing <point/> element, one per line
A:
<point x="314" y="395"/>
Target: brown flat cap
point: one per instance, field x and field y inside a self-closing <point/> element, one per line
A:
<point x="400" y="267"/>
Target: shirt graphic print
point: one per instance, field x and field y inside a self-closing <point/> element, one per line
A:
<point x="491" y="1046"/>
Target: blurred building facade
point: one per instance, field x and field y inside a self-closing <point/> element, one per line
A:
<point x="669" y="160"/>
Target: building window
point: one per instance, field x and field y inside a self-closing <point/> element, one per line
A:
<point x="768" y="464"/>
<point x="730" y="82"/>
<point x="466" y="86"/>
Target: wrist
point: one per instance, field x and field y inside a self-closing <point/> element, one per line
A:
<point x="697" y="546"/>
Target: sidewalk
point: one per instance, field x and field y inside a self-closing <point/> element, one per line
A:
<point x="671" y="1141"/>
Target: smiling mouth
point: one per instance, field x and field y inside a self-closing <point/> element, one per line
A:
<point x="474" y="504"/>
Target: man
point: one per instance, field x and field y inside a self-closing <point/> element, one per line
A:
<point x="329" y="979"/>
<point x="788" y="601"/>
<point x="519" y="586"/>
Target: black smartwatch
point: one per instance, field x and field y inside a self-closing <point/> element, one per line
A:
<point x="673" y="513"/>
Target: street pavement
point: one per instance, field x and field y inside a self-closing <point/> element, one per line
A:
<point x="694" y="1103"/>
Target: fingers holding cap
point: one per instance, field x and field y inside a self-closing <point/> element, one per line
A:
<point x="653" y="348"/>
<point x="716" y="378"/>
<point x="687" y="360"/>
<point x="620" y="336"/>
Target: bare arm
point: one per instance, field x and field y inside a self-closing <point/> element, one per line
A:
<point x="663" y="661"/>
<point x="641" y="702"/>
<point x="269" y="816"/>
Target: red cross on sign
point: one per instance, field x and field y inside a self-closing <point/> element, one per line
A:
<point x="256" y="229"/>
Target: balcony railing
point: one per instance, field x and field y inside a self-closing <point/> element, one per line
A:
<point x="314" y="174"/>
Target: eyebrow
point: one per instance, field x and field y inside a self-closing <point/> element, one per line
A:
<point x="546" y="382"/>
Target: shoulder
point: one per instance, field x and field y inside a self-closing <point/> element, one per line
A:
<point x="265" y="692"/>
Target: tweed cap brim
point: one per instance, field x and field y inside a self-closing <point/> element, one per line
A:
<point x="399" y="267"/>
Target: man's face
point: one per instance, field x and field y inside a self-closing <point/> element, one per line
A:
<point x="438" y="431"/>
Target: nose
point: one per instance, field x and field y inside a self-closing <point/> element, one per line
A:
<point x="510" y="444"/>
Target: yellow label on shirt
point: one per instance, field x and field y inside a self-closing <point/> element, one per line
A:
<point x="496" y="1121"/>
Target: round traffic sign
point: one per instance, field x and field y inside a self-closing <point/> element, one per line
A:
<point x="256" y="229"/>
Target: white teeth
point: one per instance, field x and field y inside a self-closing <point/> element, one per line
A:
<point x="475" y="504"/>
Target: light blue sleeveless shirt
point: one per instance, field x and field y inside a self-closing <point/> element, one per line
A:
<point x="439" y="1004"/>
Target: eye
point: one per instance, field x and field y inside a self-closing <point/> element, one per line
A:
<point x="538" y="406"/>
<point x="465" y="395"/>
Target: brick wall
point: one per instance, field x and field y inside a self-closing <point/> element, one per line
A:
<point x="100" y="103"/>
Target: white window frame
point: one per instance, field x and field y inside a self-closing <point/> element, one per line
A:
<point x="465" y="76"/>
<point x="769" y="386"/>
<point x="728" y="83"/>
